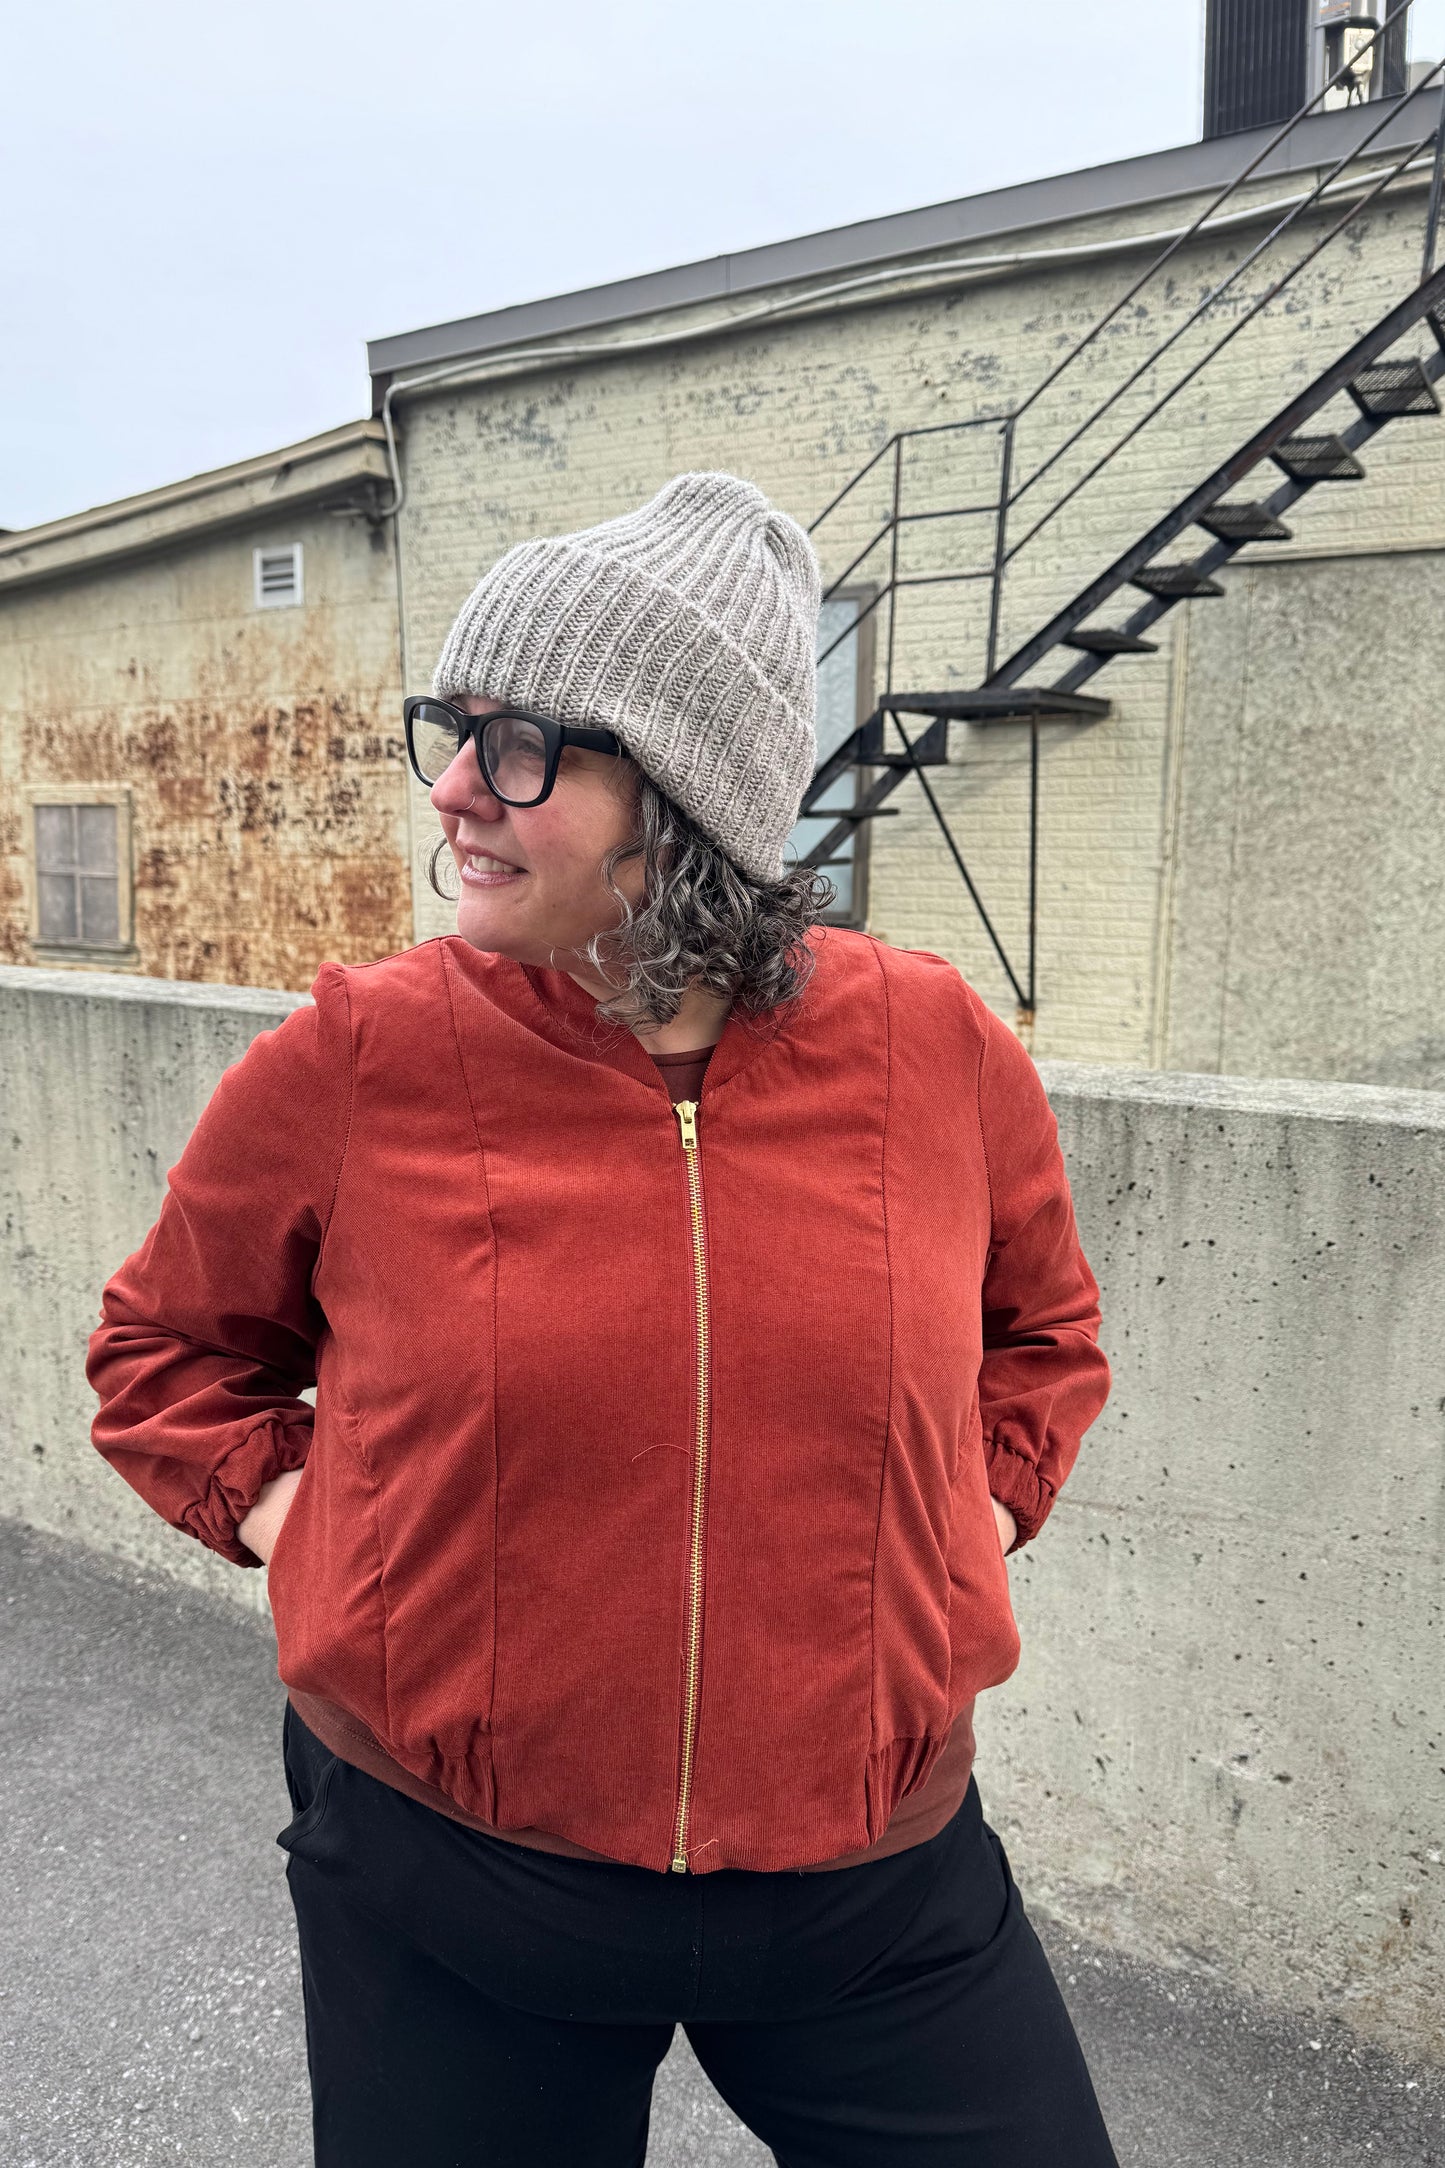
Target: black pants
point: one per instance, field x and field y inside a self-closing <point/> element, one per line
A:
<point x="470" y="2002"/>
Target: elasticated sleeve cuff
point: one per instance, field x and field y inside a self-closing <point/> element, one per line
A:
<point x="269" y="1451"/>
<point x="1016" y="1483"/>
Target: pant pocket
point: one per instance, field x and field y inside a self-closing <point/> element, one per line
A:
<point x="310" y="1769"/>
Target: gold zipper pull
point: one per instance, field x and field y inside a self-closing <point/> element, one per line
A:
<point x="686" y="1112"/>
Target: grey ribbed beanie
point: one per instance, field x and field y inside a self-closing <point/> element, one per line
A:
<point x="689" y="628"/>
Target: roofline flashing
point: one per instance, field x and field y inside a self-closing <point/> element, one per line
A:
<point x="192" y="486"/>
<point x="302" y="475"/>
<point x="1126" y="184"/>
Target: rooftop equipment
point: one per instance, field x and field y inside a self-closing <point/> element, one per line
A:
<point x="1344" y="39"/>
<point x="1256" y="62"/>
<point x="1264" y="58"/>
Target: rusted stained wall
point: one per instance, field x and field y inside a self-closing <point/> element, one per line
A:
<point x="262" y="749"/>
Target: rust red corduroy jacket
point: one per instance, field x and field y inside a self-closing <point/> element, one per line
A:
<point x="646" y="1494"/>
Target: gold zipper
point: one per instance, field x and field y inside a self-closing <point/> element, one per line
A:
<point x="686" y="1112"/>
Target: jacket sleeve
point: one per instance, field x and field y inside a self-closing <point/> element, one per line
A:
<point x="208" y="1333"/>
<point x="1043" y="1377"/>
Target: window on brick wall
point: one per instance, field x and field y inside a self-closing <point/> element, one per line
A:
<point x="277" y="576"/>
<point x="845" y="699"/>
<point x="81" y="866"/>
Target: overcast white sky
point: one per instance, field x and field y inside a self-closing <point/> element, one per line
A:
<point x="209" y="210"/>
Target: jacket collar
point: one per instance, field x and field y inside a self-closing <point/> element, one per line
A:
<point x="552" y="1004"/>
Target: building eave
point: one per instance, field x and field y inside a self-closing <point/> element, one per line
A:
<point x="344" y="467"/>
<point x="1097" y="192"/>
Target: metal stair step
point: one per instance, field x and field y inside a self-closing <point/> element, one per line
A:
<point x="900" y="760"/>
<point x="1243" y="523"/>
<point x="1394" y="387"/>
<point x="930" y="747"/>
<point x="1108" y="640"/>
<point x="1317" y="459"/>
<point x="1014" y="704"/>
<point x="1288" y="439"/>
<point x="1175" y="582"/>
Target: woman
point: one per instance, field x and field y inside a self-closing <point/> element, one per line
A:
<point x="697" y="1316"/>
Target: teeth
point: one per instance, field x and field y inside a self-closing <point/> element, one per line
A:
<point x="481" y="863"/>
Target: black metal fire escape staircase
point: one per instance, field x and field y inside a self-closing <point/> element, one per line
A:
<point x="1383" y="386"/>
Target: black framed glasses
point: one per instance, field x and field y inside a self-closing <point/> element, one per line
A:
<point x="517" y="751"/>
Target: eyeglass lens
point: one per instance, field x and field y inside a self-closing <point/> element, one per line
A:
<point x="514" y="756"/>
<point x="514" y="751"/>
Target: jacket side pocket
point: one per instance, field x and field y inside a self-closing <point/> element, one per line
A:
<point x="983" y="1636"/>
<point x="325" y="1580"/>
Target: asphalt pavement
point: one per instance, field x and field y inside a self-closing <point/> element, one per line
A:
<point x="150" y="2008"/>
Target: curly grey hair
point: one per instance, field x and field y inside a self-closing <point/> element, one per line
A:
<point x="702" y="920"/>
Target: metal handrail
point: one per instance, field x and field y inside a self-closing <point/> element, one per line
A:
<point x="1216" y="293"/>
<point x="848" y="631"/>
<point x="1362" y="196"/>
<point x="863" y="555"/>
<point x="849" y="487"/>
<point x="896" y="519"/>
<point x="948" y="511"/>
<point x="990" y="510"/>
<point x="1271" y="293"/>
<point x="1427" y="299"/>
<point x="1369" y="178"/>
<point x="1096" y="331"/>
<point x="903" y="436"/>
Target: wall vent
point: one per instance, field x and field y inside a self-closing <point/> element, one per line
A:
<point x="278" y="577"/>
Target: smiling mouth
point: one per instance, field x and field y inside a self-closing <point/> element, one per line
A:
<point x="480" y="866"/>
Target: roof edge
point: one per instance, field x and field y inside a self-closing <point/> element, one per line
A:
<point x="1123" y="185"/>
<point x="339" y="461"/>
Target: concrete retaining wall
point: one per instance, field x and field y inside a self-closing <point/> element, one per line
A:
<point x="1224" y="1742"/>
<point x="101" y="1078"/>
<point x="1223" y="1745"/>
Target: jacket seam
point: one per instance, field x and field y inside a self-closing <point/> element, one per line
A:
<point x="353" y="1424"/>
<point x="346" y="1134"/>
<point x="341" y="1720"/>
<point x="381" y="1581"/>
<point x="446" y="967"/>
<point x="888" y="1389"/>
<point x="208" y="1347"/>
<point x="983" y="1133"/>
<point x="610" y="1034"/>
